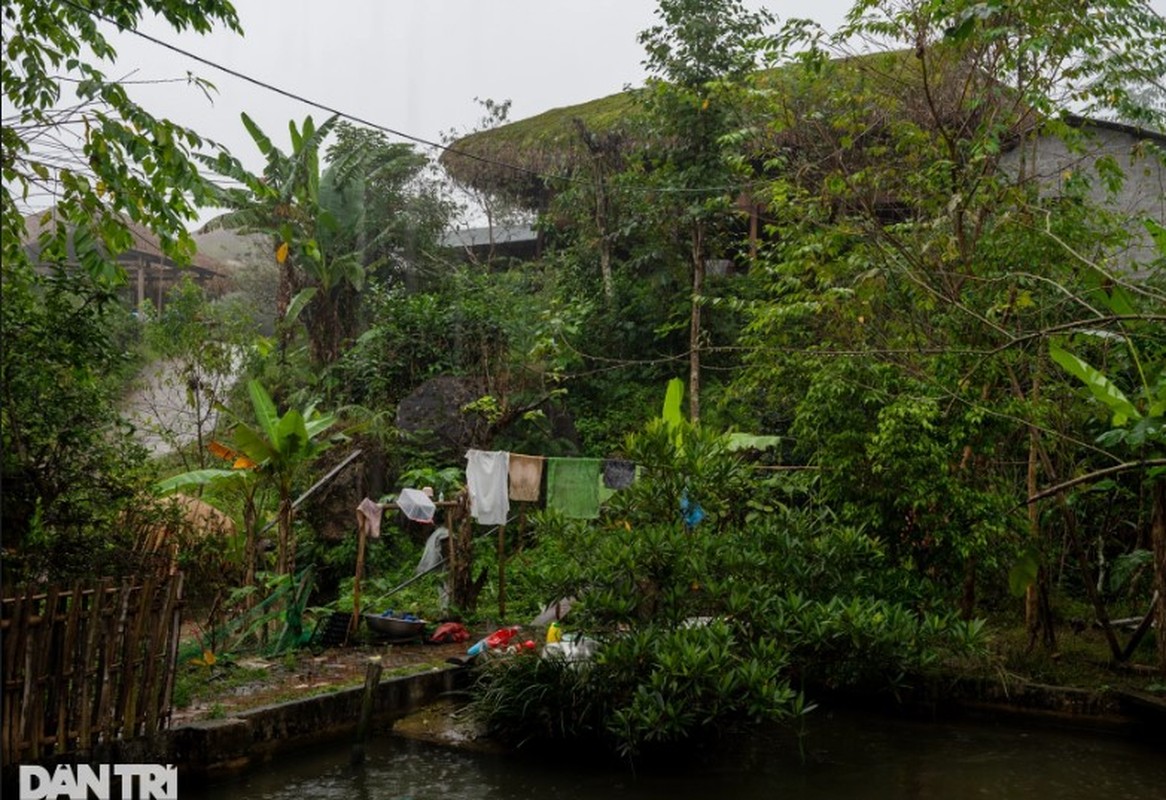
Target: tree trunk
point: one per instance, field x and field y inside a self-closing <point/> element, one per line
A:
<point x="1158" y="538"/>
<point x="251" y="548"/>
<point x="604" y="234"/>
<point x="1088" y="581"/>
<point x="694" y="323"/>
<point x="461" y="544"/>
<point x="283" y="298"/>
<point x="286" y="561"/>
<point x="1038" y="615"/>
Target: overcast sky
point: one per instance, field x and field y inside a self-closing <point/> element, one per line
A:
<point x="412" y="65"/>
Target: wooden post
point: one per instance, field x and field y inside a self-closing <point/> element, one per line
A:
<point x="451" y="524"/>
<point x="372" y="678"/>
<point x="361" y="536"/>
<point x="502" y="571"/>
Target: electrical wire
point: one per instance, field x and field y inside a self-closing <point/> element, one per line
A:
<point x="545" y="177"/>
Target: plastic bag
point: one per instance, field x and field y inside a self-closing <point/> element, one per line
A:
<point x="416" y="505"/>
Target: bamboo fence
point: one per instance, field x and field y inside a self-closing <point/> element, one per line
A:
<point x="87" y="664"/>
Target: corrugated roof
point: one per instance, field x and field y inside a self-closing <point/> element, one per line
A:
<point x="480" y="237"/>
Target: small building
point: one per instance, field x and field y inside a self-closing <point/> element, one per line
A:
<point x="1053" y="162"/>
<point x="151" y="273"/>
<point x="481" y="245"/>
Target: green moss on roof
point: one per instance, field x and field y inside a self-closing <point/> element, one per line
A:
<point x="549" y="143"/>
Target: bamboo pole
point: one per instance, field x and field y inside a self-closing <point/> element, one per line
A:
<point x="174" y="612"/>
<point x="361" y="537"/>
<point x="502" y="571"/>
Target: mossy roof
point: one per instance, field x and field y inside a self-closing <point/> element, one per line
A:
<point x="522" y="159"/>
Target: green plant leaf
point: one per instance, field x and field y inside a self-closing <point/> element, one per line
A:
<point x="198" y="477"/>
<point x="261" y="139"/>
<point x="253" y="445"/>
<point x="1158" y="234"/>
<point x="1023" y="574"/>
<point x="673" y="396"/>
<point x="1099" y="384"/>
<point x="265" y="413"/>
<point x="298" y="303"/>
<point x="291" y="433"/>
<point x="315" y="424"/>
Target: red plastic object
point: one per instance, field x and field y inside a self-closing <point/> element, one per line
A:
<point x="450" y="632"/>
<point x="501" y="637"/>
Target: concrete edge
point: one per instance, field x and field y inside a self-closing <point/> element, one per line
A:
<point x="208" y="750"/>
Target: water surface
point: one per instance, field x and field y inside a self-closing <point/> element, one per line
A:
<point x="845" y="757"/>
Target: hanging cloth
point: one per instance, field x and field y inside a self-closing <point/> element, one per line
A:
<point x="434" y="551"/>
<point x="618" y="473"/>
<point x="526" y="477"/>
<point x="573" y="486"/>
<point x="487" y="475"/>
<point x="690" y="511"/>
<point x="368" y="515"/>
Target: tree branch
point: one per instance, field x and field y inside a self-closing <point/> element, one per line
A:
<point x="1092" y="476"/>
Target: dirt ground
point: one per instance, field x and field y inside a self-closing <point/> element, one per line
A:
<point x="225" y="689"/>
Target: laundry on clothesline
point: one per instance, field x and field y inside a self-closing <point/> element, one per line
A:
<point x="618" y="473"/>
<point x="573" y="486"/>
<point x="526" y="477"/>
<point x="368" y="516"/>
<point x="487" y="479"/>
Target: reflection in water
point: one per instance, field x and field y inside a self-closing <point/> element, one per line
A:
<point x="846" y="757"/>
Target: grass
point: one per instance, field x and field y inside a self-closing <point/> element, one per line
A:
<point x="1081" y="660"/>
<point x="217" y="688"/>
<point x="197" y="682"/>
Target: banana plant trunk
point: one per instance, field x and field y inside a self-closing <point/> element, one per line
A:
<point x="286" y="562"/>
<point x="251" y="549"/>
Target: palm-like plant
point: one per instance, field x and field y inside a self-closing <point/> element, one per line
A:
<point x="285" y="203"/>
<point x="282" y="447"/>
<point x="278" y="449"/>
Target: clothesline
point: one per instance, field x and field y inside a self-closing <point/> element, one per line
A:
<point x="574" y="486"/>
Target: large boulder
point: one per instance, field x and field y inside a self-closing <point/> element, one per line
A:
<point x="434" y="415"/>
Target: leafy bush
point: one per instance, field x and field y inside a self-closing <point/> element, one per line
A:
<point x="706" y="626"/>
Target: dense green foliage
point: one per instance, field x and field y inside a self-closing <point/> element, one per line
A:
<point x="961" y="355"/>
<point x="70" y="469"/>
<point x="700" y="627"/>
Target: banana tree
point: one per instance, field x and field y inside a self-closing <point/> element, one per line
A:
<point x="282" y="447"/>
<point x="1137" y="421"/>
<point x="243" y="478"/>
<point x="285" y="203"/>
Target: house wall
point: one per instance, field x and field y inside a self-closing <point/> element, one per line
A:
<point x="1142" y="195"/>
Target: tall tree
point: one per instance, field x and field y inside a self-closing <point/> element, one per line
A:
<point x="386" y="207"/>
<point x="921" y="263"/>
<point x="103" y="157"/>
<point x="701" y="56"/>
<point x="284" y="203"/>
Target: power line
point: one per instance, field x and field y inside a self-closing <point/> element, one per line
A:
<point x="546" y="177"/>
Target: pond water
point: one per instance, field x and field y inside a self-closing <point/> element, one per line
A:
<point x="845" y="757"/>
